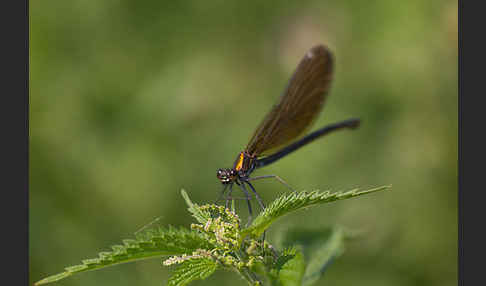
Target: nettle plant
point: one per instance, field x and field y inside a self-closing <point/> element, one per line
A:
<point x="219" y="241"/>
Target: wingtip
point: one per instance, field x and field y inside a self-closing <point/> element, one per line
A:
<point x="319" y="48"/>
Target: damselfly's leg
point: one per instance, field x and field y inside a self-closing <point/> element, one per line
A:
<point x="228" y="198"/>
<point x="259" y="199"/>
<point x="272" y="176"/>
<point x="262" y="205"/>
<point x="248" y="199"/>
<point x="222" y="194"/>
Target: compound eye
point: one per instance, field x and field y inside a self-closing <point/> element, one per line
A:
<point x="222" y="174"/>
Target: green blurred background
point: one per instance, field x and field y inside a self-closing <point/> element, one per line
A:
<point x="133" y="100"/>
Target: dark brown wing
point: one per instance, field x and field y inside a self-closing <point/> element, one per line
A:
<point x="299" y="105"/>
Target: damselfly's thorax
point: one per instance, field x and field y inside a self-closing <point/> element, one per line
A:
<point x="244" y="163"/>
<point x="243" y="166"/>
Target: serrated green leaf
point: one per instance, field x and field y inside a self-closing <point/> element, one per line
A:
<point x="308" y="239"/>
<point x="296" y="201"/>
<point x="76" y="268"/>
<point x="151" y="244"/>
<point x="320" y="248"/>
<point x="54" y="278"/>
<point x="332" y="246"/>
<point x="289" y="268"/>
<point x="191" y="270"/>
<point x="292" y="271"/>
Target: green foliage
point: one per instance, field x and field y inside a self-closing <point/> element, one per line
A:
<point x="219" y="242"/>
<point x="191" y="270"/>
<point x="296" y="201"/>
<point x="152" y="243"/>
<point x="290" y="267"/>
<point x="200" y="215"/>
<point x="331" y="247"/>
<point x="320" y="248"/>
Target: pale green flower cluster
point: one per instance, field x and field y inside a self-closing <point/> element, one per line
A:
<point x="222" y="229"/>
<point x="199" y="253"/>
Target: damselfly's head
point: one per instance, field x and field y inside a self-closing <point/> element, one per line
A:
<point x="226" y="176"/>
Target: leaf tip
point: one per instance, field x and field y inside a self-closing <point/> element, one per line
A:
<point x="53" y="278"/>
<point x="186" y="197"/>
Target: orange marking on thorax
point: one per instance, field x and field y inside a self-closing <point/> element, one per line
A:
<point x="240" y="162"/>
